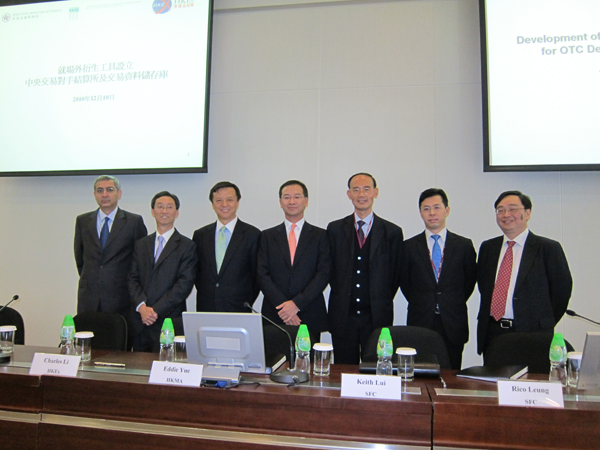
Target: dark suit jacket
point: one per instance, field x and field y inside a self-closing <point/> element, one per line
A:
<point x="303" y="282"/>
<point x="451" y="291"/>
<point x="166" y="285"/>
<point x="236" y="283"/>
<point x="103" y="275"/>
<point x="384" y="268"/>
<point x="542" y="290"/>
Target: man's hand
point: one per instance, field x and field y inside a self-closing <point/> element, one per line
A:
<point x="288" y="311"/>
<point x="148" y="315"/>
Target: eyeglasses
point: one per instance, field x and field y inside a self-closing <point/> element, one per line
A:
<point x="287" y="198"/>
<point x="435" y="208"/>
<point x="502" y="211"/>
<point x="109" y="190"/>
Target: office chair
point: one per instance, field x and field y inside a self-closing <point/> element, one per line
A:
<point x="277" y="343"/>
<point x="110" y="329"/>
<point x="10" y="316"/>
<point x="423" y="340"/>
<point x="521" y="348"/>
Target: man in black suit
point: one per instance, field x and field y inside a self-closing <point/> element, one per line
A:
<point x="365" y="253"/>
<point x="524" y="279"/>
<point x="162" y="274"/>
<point x="104" y="241"/>
<point x="227" y="251"/>
<point x="294" y="264"/>
<point x="438" y="275"/>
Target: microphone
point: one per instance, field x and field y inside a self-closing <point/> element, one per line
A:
<point x="16" y="297"/>
<point x="289" y="376"/>
<point x="572" y="313"/>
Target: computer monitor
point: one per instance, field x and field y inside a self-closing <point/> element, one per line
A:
<point x="589" y="373"/>
<point x="225" y="340"/>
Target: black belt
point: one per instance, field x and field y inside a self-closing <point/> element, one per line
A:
<point x="503" y="323"/>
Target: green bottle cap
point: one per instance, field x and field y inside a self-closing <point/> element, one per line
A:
<point x="168" y="325"/>
<point x="68" y="322"/>
<point x="556" y="348"/>
<point x="303" y="339"/>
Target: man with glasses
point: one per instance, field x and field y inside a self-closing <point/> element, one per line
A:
<point x="365" y="254"/>
<point x="162" y="274"/>
<point x="524" y="279"/>
<point x="438" y="276"/>
<point x="293" y="264"/>
<point x="104" y="242"/>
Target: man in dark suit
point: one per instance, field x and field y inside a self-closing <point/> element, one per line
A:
<point x="365" y="253"/>
<point x="162" y="274"/>
<point x="227" y="251"/>
<point x="294" y="264"/>
<point x="104" y="241"/>
<point x="524" y="279"/>
<point x="438" y="276"/>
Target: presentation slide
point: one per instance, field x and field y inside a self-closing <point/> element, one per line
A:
<point x="543" y="84"/>
<point x="107" y="85"/>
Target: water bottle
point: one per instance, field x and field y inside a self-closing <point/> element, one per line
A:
<point x="558" y="359"/>
<point x="302" y="350"/>
<point x="67" y="336"/>
<point x="384" y="353"/>
<point x="167" y="339"/>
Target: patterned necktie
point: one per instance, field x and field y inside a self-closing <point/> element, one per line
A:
<point x="436" y="254"/>
<point x="361" y="233"/>
<point x="498" y="305"/>
<point x="292" y="242"/>
<point x="159" y="249"/>
<point x="221" y="247"/>
<point x="104" y="233"/>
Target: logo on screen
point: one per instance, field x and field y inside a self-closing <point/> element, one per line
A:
<point x="6" y="17"/>
<point x="161" y="6"/>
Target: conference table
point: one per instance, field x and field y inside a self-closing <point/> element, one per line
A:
<point x="117" y="407"/>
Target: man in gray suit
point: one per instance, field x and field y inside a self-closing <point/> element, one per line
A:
<point x="104" y="241"/>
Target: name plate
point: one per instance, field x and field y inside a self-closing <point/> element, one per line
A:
<point x="530" y="393"/>
<point x="178" y="374"/>
<point x="57" y="365"/>
<point x="371" y="386"/>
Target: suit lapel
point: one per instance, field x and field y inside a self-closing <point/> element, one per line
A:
<point x="376" y="235"/>
<point x="530" y="250"/>
<point x="236" y="239"/>
<point x="117" y="226"/>
<point x="304" y="241"/>
<point x="172" y="244"/>
<point x="448" y="252"/>
<point x="209" y="248"/>
<point x="282" y="244"/>
<point x="423" y="251"/>
<point x="93" y="227"/>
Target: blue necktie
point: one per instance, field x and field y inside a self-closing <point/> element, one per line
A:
<point x="104" y="233"/>
<point x="159" y="249"/>
<point x="436" y="254"/>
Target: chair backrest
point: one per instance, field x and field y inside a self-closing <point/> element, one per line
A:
<point x="521" y="348"/>
<point x="10" y="316"/>
<point x="110" y="329"/>
<point x="423" y="340"/>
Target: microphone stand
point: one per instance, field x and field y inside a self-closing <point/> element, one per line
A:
<point x="572" y="313"/>
<point x="16" y="297"/>
<point x="287" y="376"/>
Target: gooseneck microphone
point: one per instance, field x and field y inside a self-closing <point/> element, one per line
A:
<point x="292" y="353"/>
<point x="572" y="313"/>
<point x="16" y="297"/>
<point x="288" y="376"/>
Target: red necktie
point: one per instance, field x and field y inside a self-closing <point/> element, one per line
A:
<point x="292" y="242"/>
<point x="498" y="305"/>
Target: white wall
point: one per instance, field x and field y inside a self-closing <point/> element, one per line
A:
<point x="319" y="91"/>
